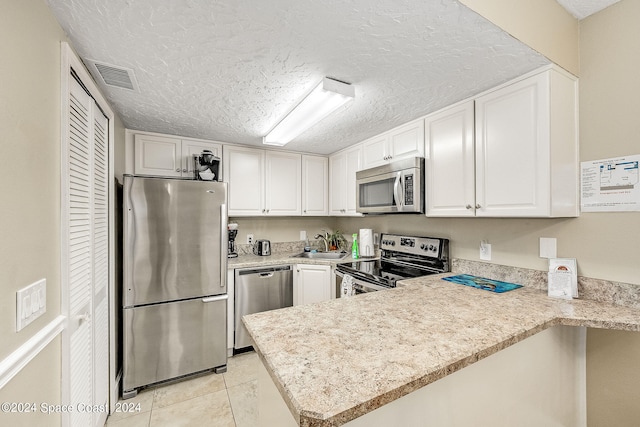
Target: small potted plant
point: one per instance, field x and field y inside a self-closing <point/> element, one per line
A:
<point x="337" y="242"/>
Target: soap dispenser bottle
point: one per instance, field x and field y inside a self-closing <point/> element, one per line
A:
<point x="354" y="246"/>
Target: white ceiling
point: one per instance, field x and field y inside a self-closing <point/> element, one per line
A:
<point x="583" y="8"/>
<point x="228" y="70"/>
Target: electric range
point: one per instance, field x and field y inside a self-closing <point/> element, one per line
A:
<point x="402" y="257"/>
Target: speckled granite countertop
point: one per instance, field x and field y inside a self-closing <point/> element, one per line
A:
<point x="335" y="361"/>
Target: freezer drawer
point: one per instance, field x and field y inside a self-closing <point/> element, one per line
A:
<point x="257" y="290"/>
<point x="168" y="340"/>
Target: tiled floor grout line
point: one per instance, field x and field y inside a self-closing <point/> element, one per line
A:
<point x="226" y="388"/>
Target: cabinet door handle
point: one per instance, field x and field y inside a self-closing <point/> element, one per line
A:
<point x="184" y="170"/>
<point x="468" y="206"/>
<point x="478" y="206"/>
<point x="178" y="170"/>
<point x="264" y="211"/>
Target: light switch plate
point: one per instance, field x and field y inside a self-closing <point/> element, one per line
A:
<point x="548" y="247"/>
<point x="31" y="303"/>
<point x="303" y="234"/>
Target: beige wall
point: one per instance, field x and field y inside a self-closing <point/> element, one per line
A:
<point x="542" y="24"/>
<point x="281" y="229"/>
<point x="609" y="126"/>
<point x="30" y="188"/>
<point x="30" y="215"/>
<point x="37" y="383"/>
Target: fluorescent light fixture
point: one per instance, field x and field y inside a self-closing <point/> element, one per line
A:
<point x="321" y="101"/>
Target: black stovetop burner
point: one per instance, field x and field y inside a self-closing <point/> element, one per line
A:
<point x="403" y="257"/>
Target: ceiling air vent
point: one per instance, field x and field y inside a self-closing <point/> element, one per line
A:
<point x="114" y="76"/>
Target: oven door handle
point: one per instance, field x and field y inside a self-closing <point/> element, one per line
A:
<point x="357" y="281"/>
<point x="397" y="191"/>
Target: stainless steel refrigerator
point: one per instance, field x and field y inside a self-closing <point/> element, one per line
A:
<point x="174" y="284"/>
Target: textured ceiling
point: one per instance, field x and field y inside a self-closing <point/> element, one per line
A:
<point x="228" y="70"/>
<point x="583" y="8"/>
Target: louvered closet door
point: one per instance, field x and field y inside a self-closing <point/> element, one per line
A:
<point x="87" y="224"/>
<point x="100" y="261"/>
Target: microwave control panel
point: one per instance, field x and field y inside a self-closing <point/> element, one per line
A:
<point x="408" y="189"/>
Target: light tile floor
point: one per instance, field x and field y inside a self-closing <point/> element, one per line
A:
<point x="217" y="400"/>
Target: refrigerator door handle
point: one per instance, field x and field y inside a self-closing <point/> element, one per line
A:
<point x="224" y="237"/>
<point x="216" y="298"/>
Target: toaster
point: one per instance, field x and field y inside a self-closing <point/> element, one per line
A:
<point x="262" y="248"/>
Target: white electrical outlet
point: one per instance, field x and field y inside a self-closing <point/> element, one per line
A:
<point x="249" y="239"/>
<point x="485" y="251"/>
<point x="548" y="247"/>
<point x="31" y="303"/>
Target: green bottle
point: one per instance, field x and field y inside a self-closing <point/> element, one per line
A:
<point x="354" y="247"/>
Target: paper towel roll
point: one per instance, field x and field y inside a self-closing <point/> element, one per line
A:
<point x="367" y="250"/>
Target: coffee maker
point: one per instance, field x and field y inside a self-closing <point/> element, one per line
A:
<point x="206" y="166"/>
<point x="233" y="232"/>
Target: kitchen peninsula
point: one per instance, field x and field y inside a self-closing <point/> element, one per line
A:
<point x="398" y="355"/>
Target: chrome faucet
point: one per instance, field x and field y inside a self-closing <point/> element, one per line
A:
<point x="324" y="239"/>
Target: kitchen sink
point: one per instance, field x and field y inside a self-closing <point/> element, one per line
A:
<point x="322" y="255"/>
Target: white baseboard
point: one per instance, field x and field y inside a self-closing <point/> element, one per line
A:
<point x="12" y="364"/>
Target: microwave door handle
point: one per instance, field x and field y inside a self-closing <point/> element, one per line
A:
<point x="397" y="191"/>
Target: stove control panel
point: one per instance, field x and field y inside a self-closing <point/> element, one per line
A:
<point x="424" y="246"/>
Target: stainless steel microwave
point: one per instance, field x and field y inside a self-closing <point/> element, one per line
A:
<point x="397" y="187"/>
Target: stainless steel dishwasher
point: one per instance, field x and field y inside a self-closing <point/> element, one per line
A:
<point x="260" y="289"/>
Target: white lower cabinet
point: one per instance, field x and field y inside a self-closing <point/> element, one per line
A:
<point x="511" y="152"/>
<point x="311" y="283"/>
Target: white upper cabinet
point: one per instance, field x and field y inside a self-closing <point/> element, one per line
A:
<point x="527" y="148"/>
<point x="449" y="165"/>
<point x="244" y="171"/>
<point x="192" y="148"/>
<point x="168" y="156"/>
<point x="526" y="152"/>
<point x="315" y="185"/>
<point x="342" y="181"/>
<point x="399" y="143"/>
<point x="262" y="182"/>
<point x="283" y="179"/>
